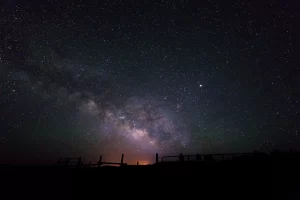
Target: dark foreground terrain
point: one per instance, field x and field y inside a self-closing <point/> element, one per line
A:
<point x="261" y="177"/>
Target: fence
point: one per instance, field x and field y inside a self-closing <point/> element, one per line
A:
<point x="203" y="157"/>
<point x="77" y="162"/>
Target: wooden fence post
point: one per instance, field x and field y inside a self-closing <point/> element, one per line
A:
<point x="156" y="158"/>
<point x="122" y="159"/>
<point x="181" y="158"/>
<point x="198" y="157"/>
<point x="100" y="161"/>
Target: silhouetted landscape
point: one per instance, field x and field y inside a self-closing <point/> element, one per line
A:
<point x="242" y="175"/>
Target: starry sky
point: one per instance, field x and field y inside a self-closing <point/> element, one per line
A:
<point x="89" y="78"/>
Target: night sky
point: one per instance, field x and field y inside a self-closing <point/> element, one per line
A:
<point x="84" y="78"/>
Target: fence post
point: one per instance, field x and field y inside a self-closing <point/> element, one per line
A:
<point x="99" y="163"/>
<point x="122" y="159"/>
<point x="156" y="158"/>
<point x="137" y="162"/>
<point x="198" y="157"/>
<point x="181" y="158"/>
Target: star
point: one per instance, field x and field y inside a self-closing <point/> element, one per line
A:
<point x="90" y="84"/>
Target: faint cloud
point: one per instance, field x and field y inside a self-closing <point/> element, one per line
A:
<point x="89" y="107"/>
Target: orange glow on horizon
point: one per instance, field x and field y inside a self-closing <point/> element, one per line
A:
<point x="143" y="162"/>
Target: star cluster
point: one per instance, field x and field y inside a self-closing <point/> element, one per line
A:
<point x="112" y="77"/>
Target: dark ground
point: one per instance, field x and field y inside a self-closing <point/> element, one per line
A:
<point x="248" y="178"/>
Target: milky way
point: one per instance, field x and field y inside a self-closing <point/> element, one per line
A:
<point x="138" y="124"/>
<point x="139" y="78"/>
